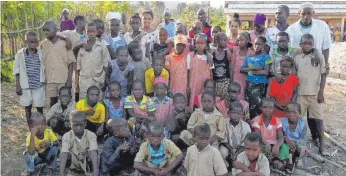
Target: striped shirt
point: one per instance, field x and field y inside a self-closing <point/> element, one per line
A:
<point x="33" y="65"/>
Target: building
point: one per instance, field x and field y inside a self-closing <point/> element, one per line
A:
<point x="331" y="11"/>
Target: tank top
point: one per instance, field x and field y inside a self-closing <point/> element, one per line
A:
<point x="221" y="67"/>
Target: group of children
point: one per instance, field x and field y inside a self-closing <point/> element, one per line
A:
<point x="193" y="107"/>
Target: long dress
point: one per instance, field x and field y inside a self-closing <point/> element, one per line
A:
<point x="177" y="65"/>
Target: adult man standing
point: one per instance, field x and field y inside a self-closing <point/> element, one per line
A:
<point x="202" y="17"/>
<point x="168" y="25"/>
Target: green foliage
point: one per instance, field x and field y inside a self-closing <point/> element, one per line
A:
<point x="218" y="18"/>
<point x="7" y="70"/>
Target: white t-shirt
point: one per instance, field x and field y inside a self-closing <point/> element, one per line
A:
<point x="271" y="37"/>
<point x="319" y="30"/>
<point x="143" y="42"/>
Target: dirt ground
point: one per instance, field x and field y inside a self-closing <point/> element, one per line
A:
<point x="14" y="130"/>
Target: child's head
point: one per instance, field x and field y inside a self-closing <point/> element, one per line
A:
<point x="91" y="30"/>
<point x="114" y="25"/>
<point x="293" y="111"/>
<point x="80" y="22"/>
<point x="202" y="17"/>
<point x="197" y="27"/>
<point x="307" y="43"/>
<point x="122" y="55"/>
<point x="31" y="39"/>
<point x="252" y="143"/>
<point x="38" y="121"/>
<point x="221" y="40"/>
<point x="160" y="86"/>
<point x="179" y="102"/>
<point x="158" y="64"/>
<point x="148" y="17"/>
<point x="100" y="27"/>
<point x="200" y="41"/>
<point x="138" y="89"/>
<point x="215" y="30"/>
<point x="259" y="21"/>
<point x="201" y="135"/>
<point x="244" y="40"/>
<point x="181" y="29"/>
<point x="180" y="42"/>
<point x="260" y="43"/>
<point x="234" y="23"/>
<point x="65" y="13"/>
<point x="163" y="35"/>
<point x="267" y="106"/>
<point x="50" y="29"/>
<point x="156" y="133"/>
<point x="135" y="51"/>
<point x="65" y="95"/>
<point x="209" y="85"/>
<point x="281" y="14"/>
<point x="208" y="101"/>
<point x="234" y="90"/>
<point x="236" y="112"/>
<point x="135" y="22"/>
<point x="118" y="127"/>
<point x="78" y="122"/>
<point x="93" y="95"/>
<point x="114" y="89"/>
<point x="282" y="40"/>
<point x="286" y="65"/>
<point x="168" y="16"/>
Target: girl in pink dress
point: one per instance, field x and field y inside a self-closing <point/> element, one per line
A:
<point x="238" y="56"/>
<point x="234" y="26"/>
<point x="163" y="103"/>
<point x="199" y="69"/>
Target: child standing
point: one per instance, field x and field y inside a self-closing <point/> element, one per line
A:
<point x="79" y="146"/>
<point x="213" y="45"/>
<point x="156" y="71"/>
<point x="58" y="115"/>
<point x="162" y="102"/>
<point x="234" y="26"/>
<point x="294" y="128"/>
<point x="92" y="63"/>
<point x="141" y="64"/>
<point x="270" y="128"/>
<point x="30" y="77"/>
<point x="256" y="69"/>
<point x="284" y="92"/>
<point x="222" y="66"/>
<point x="114" y="103"/>
<point x="161" y="48"/>
<point x="311" y="88"/>
<point x="157" y="156"/>
<point x="201" y="158"/>
<point x="199" y="69"/>
<point x="121" y="70"/>
<point x="41" y="144"/>
<point x="95" y="111"/>
<point x="207" y="114"/>
<point x="252" y="160"/>
<point x="239" y="54"/>
<point x="119" y="150"/>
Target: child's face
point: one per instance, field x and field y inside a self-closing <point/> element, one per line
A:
<point x="222" y="41"/>
<point x="122" y="131"/>
<point x="32" y="42"/>
<point x="197" y="28"/>
<point x="285" y="67"/>
<point x="155" y="138"/>
<point x="252" y="150"/>
<point x="39" y="124"/>
<point x="307" y="45"/>
<point x="138" y="90"/>
<point x="163" y="36"/>
<point x="202" y="17"/>
<point x="115" y="25"/>
<point x="49" y="30"/>
<point x="282" y="42"/>
<point x="200" y="44"/>
<point x="234" y="27"/>
<point x="147" y="20"/>
<point x="235" y="115"/>
<point x="201" y="140"/>
<point x="100" y="27"/>
<point x="292" y="113"/>
<point x="215" y="31"/>
<point x="258" y="27"/>
<point x="81" y="24"/>
<point x="93" y="96"/>
<point x="160" y="89"/>
<point x="64" y="97"/>
<point x="208" y="103"/>
<point x="259" y="45"/>
<point x="122" y="57"/>
<point x="233" y="92"/>
<point x="179" y="48"/>
<point x="91" y="32"/>
<point x="135" y="24"/>
<point x="137" y="54"/>
<point x="181" y="30"/>
<point x="158" y="66"/>
<point x="179" y="103"/>
<point x="209" y="87"/>
<point x="242" y="42"/>
<point x="267" y="108"/>
<point x="114" y="90"/>
<point x="78" y="126"/>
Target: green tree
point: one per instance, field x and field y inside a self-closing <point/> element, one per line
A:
<point x="218" y="18"/>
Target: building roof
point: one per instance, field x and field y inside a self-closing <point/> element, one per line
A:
<point x="336" y="7"/>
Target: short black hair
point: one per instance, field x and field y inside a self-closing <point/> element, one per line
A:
<point x="218" y="36"/>
<point x="135" y="16"/>
<point x="285" y="8"/>
<point x="296" y="104"/>
<point x="99" y="22"/>
<point x="155" y="126"/>
<point x="132" y="46"/>
<point x="234" y="105"/>
<point x="31" y="34"/>
<point x="93" y="88"/>
<point x="78" y="18"/>
<point x="287" y="59"/>
<point x="158" y="57"/>
<point x="75" y="114"/>
<point x="178" y="95"/>
<point x="92" y="23"/>
<point x="254" y="137"/>
<point x="283" y="34"/>
<point x="202" y="128"/>
<point x="150" y="12"/>
<point x="235" y="18"/>
<point x="235" y="84"/>
<point x="114" y="83"/>
<point x="267" y="99"/>
<point x="50" y="22"/>
<point x="262" y="38"/>
<point x="306" y="36"/>
<point x="36" y="116"/>
<point x="120" y="48"/>
<point x="138" y="81"/>
<point x="207" y="81"/>
<point x="114" y="124"/>
<point x="212" y="94"/>
<point x="65" y="88"/>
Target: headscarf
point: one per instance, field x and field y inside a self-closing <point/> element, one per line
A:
<point x="259" y="18"/>
<point x="113" y="15"/>
<point x="180" y="39"/>
<point x="160" y="80"/>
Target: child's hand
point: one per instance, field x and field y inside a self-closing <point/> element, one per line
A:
<point x="99" y="130"/>
<point x="44" y="144"/>
<point x="320" y="97"/>
<point x="291" y="144"/>
<point x="238" y="165"/>
<point x="315" y="60"/>
<point x="90" y="112"/>
<point x="19" y="90"/>
<point x="255" y="68"/>
<point x="188" y="110"/>
<point x="279" y="78"/>
<point x="156" y="172"/>
<point x="124" y="147"/>
<point x="164" y="171"/>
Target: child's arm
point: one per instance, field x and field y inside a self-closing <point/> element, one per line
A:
<point x="320" y="98"/>
<point x="31" y="147"/>
<point x="173" y="165"/>
<point x="295" y="94"/>
<point x="133" y="114"/>
<point x="69" y="77"/>
<point x="220" y="131"/>
<point x="63" y="159"/>
<point x="130" y="80"/>
<point x="139" y="162"/>
<point x="280" y="141"/>
<point x="192" y="122"/>
<point x="94" y="160"/>
<point x="107" y="113"/>
<point x="262" y="72"/>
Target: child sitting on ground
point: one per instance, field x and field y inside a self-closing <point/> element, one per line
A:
<point x="140" y="63"/>
<point x="207" y="114"/>
<point x="114" y="103"/>
<point x="236" y="130"/>
<point x="119" y="150"/>
<point x="252" y="161"/>
<point x="234" y="94"/>
<point x="157" y="70"/>
<point x="79" y="147"/>
<point x="95" y="111"/>
<point x="294" y="128"/>
<point x="162" y="102"/>
<point x="41" y="144"/>
<point x="270" y="128"/>
<point x="58" y="115"/>
<point x="157" y="156"/>
<point x="202" y="158"/>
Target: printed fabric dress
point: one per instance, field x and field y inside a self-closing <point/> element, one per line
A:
<point x="221" y="76"/>
<point x="162" y="108"/>
<point x="177" y="65"/>
<point x="115" y="112"/>
<point x="121" y="76"/>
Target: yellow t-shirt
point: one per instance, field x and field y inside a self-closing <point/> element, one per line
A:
<point x="150" y="77"/>
<point x="48" y="136"/>
<point x="99" y="114"/>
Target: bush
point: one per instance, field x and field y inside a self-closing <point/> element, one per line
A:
<point x="7" y="71"/>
